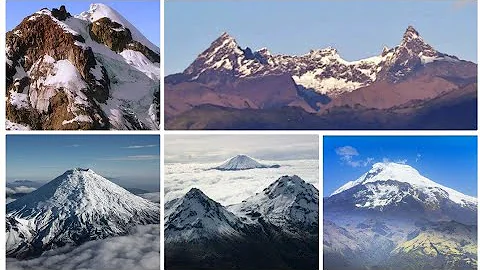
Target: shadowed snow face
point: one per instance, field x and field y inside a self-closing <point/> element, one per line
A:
<point x="140" y="250"/>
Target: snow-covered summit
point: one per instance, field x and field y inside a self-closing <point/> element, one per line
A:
<point x="75" y="207"/>
<point x="288" y="200"/>
<point x="410" y="34"/>
<point x="98" y="11"/>
<point x="195" y="216"/>
<point x="242" y="162"/>
<point x="390" y="171"/>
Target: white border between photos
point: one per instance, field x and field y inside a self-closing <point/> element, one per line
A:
<point x="163" y="132"/>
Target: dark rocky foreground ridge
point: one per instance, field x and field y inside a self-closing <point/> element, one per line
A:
<point x="60" y="75"/>
<point x="409" y="86"/>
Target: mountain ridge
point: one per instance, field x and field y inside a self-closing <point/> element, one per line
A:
<point x="196" y="227"/>
<point x="395" y="89"/>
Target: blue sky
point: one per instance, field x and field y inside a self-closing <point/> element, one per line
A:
<point x="357" y="29"/>
<point x="144" y="15"/>
<point x="130" y="160"/>
<point x="448" y="160"/>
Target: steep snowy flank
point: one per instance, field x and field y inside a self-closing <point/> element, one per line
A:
<point x="98" y="11"/>
<point x="386" y="193"/>
<point x="242" y="162"/>
<point x="290" y="204"/>
<point x="287" y="201"/>
<point x="195" y="216"/>
<point x="75" y="207"/>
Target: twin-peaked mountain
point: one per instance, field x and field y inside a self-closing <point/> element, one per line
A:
<point x="274" y="229"/>
<point x="228" y="85"/>
<point x="76" y="207"/>
<point x="94" y="70"/>
<point x="392" y="217"/>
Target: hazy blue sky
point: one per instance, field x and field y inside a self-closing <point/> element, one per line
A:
<point x="450" y="161"/>
<point x="357" y="29"/>
<point x="131" y="160"/>
<point x="217" y="148"/>
<point x="144" y="15"/>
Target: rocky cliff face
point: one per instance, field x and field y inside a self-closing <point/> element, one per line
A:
<point x="59" y="78"/>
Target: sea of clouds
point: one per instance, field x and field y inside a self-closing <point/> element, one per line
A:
<point x="139" y="250"/>
<point x="231" y="187"/>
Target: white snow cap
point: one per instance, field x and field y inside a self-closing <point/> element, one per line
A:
<point x="241" y="162"/>
<point x="384" y="171"/>
<point x="98" y="11"/>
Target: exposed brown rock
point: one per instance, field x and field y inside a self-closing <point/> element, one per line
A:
<point x="10" y="72"/>
<point x="58" y="112"/>
<point x="28" y="117"/>
<point x="118" y="38"/>
<point x="61" y="14"/>
<point x="43" y="36"/>
<point x="110" y="33"/>
<point x="137" y="46"/>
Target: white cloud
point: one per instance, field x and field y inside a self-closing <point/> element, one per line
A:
<point x="21" y="189"/>
<point x="140" y="250"/>
<point x="347" y="155"/>
<point x="346" y="151"/>
<point x="419" y="156"/>
<point x="74" y="145"/>
<point x="230" y="187"/>
<point x="140" y="146"/>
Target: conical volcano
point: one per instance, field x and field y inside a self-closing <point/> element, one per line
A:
<point x="75" y="207"/>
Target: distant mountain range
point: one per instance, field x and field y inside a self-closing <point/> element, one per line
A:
<point x="76" y="207"/>
<point x="274" y="229"/>
<point x="409" y="86"/>
<point x="94" y="70"/>
<point x="392" y="217"/>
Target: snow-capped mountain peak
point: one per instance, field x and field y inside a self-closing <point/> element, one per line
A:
<point x="75" y="207"/>
<point x="410" y="34"/>
<point x="197" y="216"/>
<point x="389" y="171"/>
<point x="242" y="162"/>
<point x="288" y="200"/>
<point x="98" y="11"/>
<point x="104" y="71"/>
